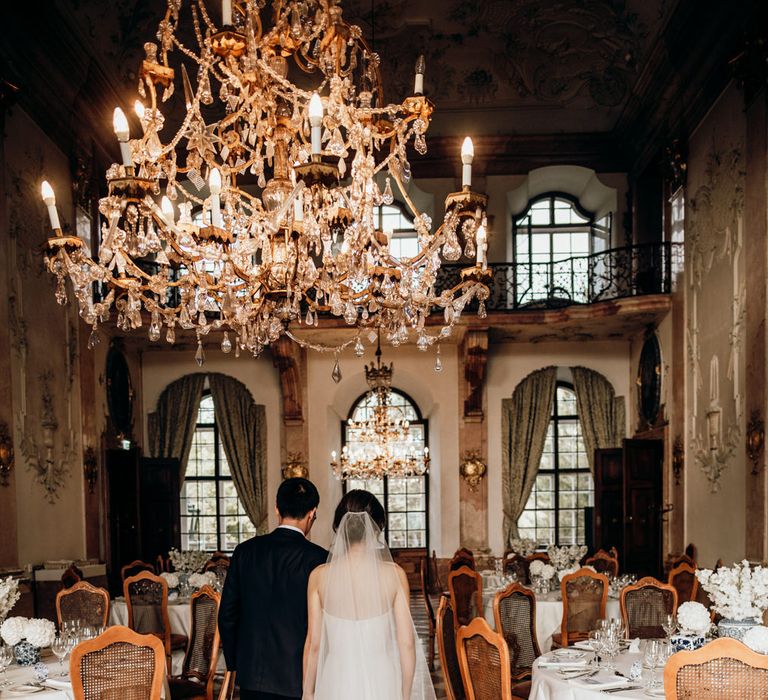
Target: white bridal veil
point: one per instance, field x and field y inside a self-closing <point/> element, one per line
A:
<point x="368" y="648"/>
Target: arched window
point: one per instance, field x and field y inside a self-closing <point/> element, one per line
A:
<point x="405" y="499"/>
<point x="554" y="513"/>
<point x="552" y="240"/>
<point x="212" y="517"/>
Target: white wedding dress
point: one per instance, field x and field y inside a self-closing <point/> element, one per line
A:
<point x="360" y="657"/>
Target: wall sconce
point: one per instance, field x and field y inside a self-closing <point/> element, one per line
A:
<point x="755" y="440"/>
<point x="473" y="470"/>
<point x="6" y="454"/>
<point x="678" y="459"/>
<point x="295" y="467"/>
<point x="90" y="468"/>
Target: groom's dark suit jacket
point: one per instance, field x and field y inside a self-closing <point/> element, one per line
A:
<point x="263" y="613"/>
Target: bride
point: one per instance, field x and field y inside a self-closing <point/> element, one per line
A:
<point x="361" y="643"/>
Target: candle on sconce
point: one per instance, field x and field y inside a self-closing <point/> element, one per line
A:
<point x="467" y="154"/>
<point x="50" y="201"/>
<point x="418" y="83"/>
<point x="140" y="113"/>
<point x="166" y="207"/>
<point x="214" y="183"/>
<point x="226" y="13"/>
<point x="480" y="239"/>
<point x="120" y="124"/>
<point x="298" y="209"/>
<point x="316" y="121"/>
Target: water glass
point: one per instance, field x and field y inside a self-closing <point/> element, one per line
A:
<point x="652" y="658"/>
<point x="611" y="647"/>
<point x="669" y="625"/>
<point x="6" y="659"/>
<point x="60" y="648"/>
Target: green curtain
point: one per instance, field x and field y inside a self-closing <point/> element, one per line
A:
<point x="172" y="426"/>
<point x="243" y="432"/>
<point x="524" y="421"/>
<point x="601" y="412"/>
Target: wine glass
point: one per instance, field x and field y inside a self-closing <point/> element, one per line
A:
<point x="6" y="659"/>
<point x="60" y="648"/>
<point x="669" y="625"/>
<point x="596" y="643"/>
<point x="610" y="647"/>
<point x="651" y="659"/>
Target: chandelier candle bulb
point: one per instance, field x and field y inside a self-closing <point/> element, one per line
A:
<point x="316" y="122"/>
<point x="467" y="154"/>
<point x="167" y="208"/>
<point x="120" y="124"/>
<point x="140" y="111"/>
<point x="214" y="183"/>
<point x="418" y="83"/>
<point x="480" y="238"/>
<point x="226" y="13"/>
<point x="50" y="201"/>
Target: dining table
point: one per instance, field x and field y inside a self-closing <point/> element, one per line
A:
<point x="549" y="610"/>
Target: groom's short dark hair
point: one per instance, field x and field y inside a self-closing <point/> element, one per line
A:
<point x="296" y="497"/>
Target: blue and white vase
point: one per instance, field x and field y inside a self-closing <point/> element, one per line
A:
<point x="26" y="654"/>
<point x="687" y="642"/>
<point x="735" y="629"/>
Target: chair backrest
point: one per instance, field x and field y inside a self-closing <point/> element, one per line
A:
<point x="645" y="605"/>
<point x="584" y="593"/>
<point x="425" y="593"/>
<point x="437" y="584"/>
<point x="603" y="563"/>
<point x="517" y="565"/>
<point x="462" y="557"/>
<point x="118" y="665"/>
<point x="135" y="567"/>
<point x="484" y="662"/>
<point x="446" y="647"/>
<point x="465" y="586"/>
<point x="83" y="602"/>
<point x="691" y="551"/>
<point x="220" y="567"/>
<point x="540" y="556"/>
<point x="683" y="578"/>
<point x="203" y="649"/>
<point x="146" y="597"/>
<point x="71" y="576"/>
<point x="161" y="564"/>
<point x="724" y="669"/>
<point x="227" y="690"/>
<point x="217" y="555"/>
<point x="514" y="613"/>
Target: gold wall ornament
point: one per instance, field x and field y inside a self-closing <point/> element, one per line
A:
<point x="473" y="470"/>
<point x="6" y="454"/>
<point x="755" y="440"/>
<point x="295" y="467"/>
<point x="678" y="459"/>
<point x="90" y="468"/>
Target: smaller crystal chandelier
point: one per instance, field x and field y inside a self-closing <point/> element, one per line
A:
<point x="382" y="444"/>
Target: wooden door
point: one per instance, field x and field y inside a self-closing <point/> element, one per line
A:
<point x="643" y="507"/>
<point x="609" y="501"/>
<point x="124" y="544"/>
<point x="160" y="518"/>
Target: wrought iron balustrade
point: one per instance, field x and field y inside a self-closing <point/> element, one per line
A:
<point x="611" y="274"/>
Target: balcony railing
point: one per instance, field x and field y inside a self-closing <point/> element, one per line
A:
<point x="611" y="274"/>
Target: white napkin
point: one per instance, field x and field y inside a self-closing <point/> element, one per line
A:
<point x="53" y="683"/>
<point x="601" y="681"/>
<point x="554" y="662"/>
<point x="634" y="646"/>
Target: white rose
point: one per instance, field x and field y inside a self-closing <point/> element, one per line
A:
<point x="171" y="579"/>
<point x="40" y="633"/>
<point x="536" y="567"/>
<point x="693" y="617"/>
<point x="757" y="639"/>
<point x="13" y="630"/>
<point x="547" y="572"/>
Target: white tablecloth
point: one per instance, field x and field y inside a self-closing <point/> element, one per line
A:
<point x="178" y="615"/>
<point x="549" y="615"/>
<point x="549" y="685"/>
<point x="18" y="675"/>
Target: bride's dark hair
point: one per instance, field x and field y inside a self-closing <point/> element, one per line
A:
<point x="360" y="501"/>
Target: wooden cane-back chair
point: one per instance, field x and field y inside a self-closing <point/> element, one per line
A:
<point x="517" y="565"/>
<point x="135" y="567"/>
<point x="446" y="647"/>
<point x="429" y="610"/>
<point x="724" y="669"/>
<point x="71" y="576"/>
<point x="514" y="614"/>
<point x="540" y="556"/>
<point x="437" y="583"/>
<point x="683" y="578"/>
<point x="462" y="557"/>
<point x="118" y="665"/>
<point x="584" y="594"/>
<point x="199" y="666"/>
<point x="645" y="606"/>
<point x="83" y="602"/>
<point x="484" y="662"/>
<point x="603" y="562"/>
<point x="227" y="690"/>
<point x="146" y="597"/>
<point x="220" y="567"/>
<point x="161" y="564"/>
<point x="465" y="586"/>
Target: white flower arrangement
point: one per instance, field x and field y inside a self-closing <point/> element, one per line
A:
<point x="737" y="592"/>
<point x="171" y="579"/>
<point x="547" y="572"/>
<point x="38" y="632"/>
<point x="524" y="547"/>
<point x="9" y="595"/>
<point x="562" y="573"/>
<point x="757" y="639"/>
<point x="200" y="580"/>
<point x="566" y="557"/>
<point x="693" y="618"/>
<point x="536" y="567"/>
<point x="188" y="561"/>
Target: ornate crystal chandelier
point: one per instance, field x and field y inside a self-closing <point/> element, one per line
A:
<point x="255" y="214"/>
<point x="382" y="444"/>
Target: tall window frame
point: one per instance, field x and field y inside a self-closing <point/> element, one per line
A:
<point x="554" y="513"/>
<point x="390" y="489"/>
<point x="209" y="479"/>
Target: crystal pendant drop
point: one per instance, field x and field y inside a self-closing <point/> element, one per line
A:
<point x="200" y="354"/>
<point x="93" y="339"/>
<point x="226" y="344"/>
<point x="438" y="361"/>
<point x="336" y="374"/>
<point x="359" y="348"/>
<point x="170" y="335"/>
<point x="388" y="197"/>
<point x="481" y="312"/>
<point x="237" y="349"/>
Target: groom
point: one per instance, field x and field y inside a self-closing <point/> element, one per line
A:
<point x="263" y="613"/>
